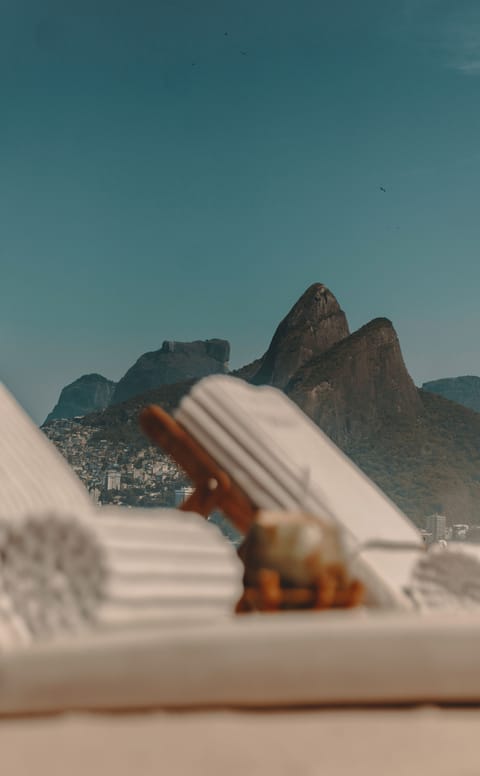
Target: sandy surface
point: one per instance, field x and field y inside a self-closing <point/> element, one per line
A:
<point x="426" y="740"/>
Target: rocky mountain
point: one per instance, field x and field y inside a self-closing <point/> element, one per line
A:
<point x="357" y="386"/>
<point x="313" y="325"/>
<point x="464" y="390"/>
<point x="421" y="449"/>
<point x="174" y="362"/>
<point x="87" y="394"/>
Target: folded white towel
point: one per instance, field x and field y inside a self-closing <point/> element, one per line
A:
<point x="447" y="578"/>
<point x="64" y="573"/>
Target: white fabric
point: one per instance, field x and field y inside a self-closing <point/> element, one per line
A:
<point x="448" y="578"/>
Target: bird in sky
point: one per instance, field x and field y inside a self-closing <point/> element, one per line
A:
<point x="382" y="189"/>
<point x="243" y="53"/>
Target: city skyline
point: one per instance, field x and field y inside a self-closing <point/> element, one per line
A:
<point x="176" y="172"/>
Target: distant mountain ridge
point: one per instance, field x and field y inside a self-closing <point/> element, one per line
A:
<point x="89" y="393"/>
<point x="172" y="363"/>
<point x="421" y="449"/>
<point x="464" y="390"/>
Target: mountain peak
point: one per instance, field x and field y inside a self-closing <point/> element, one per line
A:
<point x="313" y="325"/>
<point x="359" y="385"/>
<point x="174" y="362"/>
<point x="89" y="393"/>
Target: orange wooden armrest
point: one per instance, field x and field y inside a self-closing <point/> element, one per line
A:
<point x="214" y="489"/>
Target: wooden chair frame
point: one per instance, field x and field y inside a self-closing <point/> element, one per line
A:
<point x="214" y="488"/>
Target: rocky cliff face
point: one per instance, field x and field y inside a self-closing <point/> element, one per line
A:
<point x="313" y="325"/>
<point x="464" y="390"/>
<point x="358" y="386"/>
<point x="174" y="362"/>
<point x="87" y="394"/>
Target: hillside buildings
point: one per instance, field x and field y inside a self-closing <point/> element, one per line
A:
<point x="115" y="473"/>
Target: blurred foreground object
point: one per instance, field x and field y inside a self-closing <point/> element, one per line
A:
<point x="158" y="629"/>
<point x="295" y="561"/>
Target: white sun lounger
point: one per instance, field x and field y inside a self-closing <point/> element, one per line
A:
<point x="281" y="460"/>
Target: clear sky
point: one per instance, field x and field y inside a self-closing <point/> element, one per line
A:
<point x="157" y="183"/>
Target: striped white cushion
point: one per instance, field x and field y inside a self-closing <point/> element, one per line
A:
<point x="282" y="460"/>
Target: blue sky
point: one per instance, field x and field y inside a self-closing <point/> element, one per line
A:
<point x="156" y="183"/>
